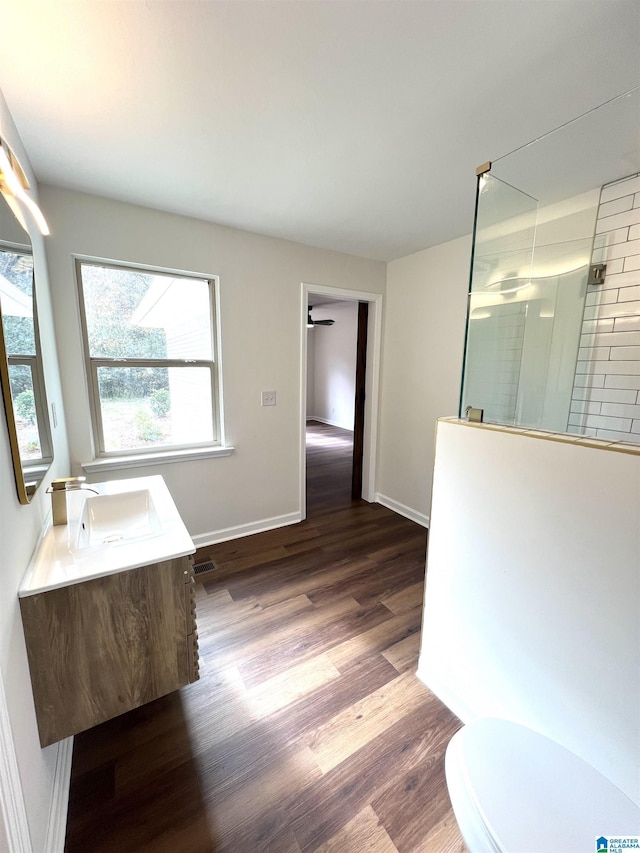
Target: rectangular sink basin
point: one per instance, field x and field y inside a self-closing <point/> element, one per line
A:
<point x="129" y="523"/>
<point x="117" y="518"/>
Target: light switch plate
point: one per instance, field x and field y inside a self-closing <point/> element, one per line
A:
<point x="268" y="398"/>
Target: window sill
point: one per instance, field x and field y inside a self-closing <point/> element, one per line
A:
<point x="164" y="457"/>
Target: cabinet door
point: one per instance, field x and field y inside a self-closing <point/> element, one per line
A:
<point x="100" y="648"/>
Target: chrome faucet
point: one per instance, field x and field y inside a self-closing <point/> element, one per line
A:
<point x="58" y="491"/>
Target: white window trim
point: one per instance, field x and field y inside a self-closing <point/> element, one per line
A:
<point x="136" y="458"/>
<point x="36" y="370"/>
<point x="161" y="457"/>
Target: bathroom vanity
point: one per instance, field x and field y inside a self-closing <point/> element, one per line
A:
<point x="108" y="608"/>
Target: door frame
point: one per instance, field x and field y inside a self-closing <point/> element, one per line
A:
<point x="360" y="400"/>
<point x="372" y="384"/>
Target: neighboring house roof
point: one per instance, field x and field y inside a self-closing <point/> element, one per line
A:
<point x="14" y="302"/>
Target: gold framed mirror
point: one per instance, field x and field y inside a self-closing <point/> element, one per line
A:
<point x="21" y="372"/>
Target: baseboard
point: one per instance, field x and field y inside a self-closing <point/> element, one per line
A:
<point x="57" y="825"/>
<point x="327" y="421"/>
<point x="412" y="514"/>
<point x="239" y="530"/>
<point x="453" y="702"/>
<point x="12" y="805"/>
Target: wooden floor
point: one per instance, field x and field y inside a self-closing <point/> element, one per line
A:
<point x="308" y="730"/>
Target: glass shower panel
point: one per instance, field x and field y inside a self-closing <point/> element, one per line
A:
<point x="500" y="277"/>
<point x="553" y="328"/>
<point x="550" y="349"/>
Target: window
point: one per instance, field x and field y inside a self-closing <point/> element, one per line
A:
<point x="26" y="378"/>
<point x="149" y="344"/>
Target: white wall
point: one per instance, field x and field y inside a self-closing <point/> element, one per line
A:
<point x="260" y="281"/>
<point x="20" y="527"/>
<point x="311" y="372"/>
<point x="531" y="605"/>
<point x="423" y="345"/>
<point x="334" y="364"/>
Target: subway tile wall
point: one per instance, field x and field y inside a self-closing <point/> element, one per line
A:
<point x="606" y="395"/>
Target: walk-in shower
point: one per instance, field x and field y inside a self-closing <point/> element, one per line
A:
<point x="553" y="326"/>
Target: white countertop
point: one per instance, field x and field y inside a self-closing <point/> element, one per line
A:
<point x="58" y="561"/>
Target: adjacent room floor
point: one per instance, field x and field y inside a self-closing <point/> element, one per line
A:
<point x="308" y="730"/>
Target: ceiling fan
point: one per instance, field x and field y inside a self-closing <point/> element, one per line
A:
<point x="311" y="323"/>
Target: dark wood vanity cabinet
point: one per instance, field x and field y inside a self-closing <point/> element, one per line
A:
<point x="105" y="646"/>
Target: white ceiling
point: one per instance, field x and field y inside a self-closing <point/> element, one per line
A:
<point x="354" y="125"/>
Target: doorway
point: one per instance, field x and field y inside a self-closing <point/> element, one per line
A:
<point x="345" y="406"/>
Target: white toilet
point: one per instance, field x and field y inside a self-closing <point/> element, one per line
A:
<point x="515" y="791"/>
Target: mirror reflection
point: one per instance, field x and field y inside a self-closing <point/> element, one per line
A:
<point x="20" y="362"/>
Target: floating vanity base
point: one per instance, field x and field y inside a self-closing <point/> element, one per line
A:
<point x="100" y="648"/>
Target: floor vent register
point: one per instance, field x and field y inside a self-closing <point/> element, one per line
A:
<point x="203" y="568"/>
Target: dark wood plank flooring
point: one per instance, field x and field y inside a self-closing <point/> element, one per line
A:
<point x="308" y="731"/>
